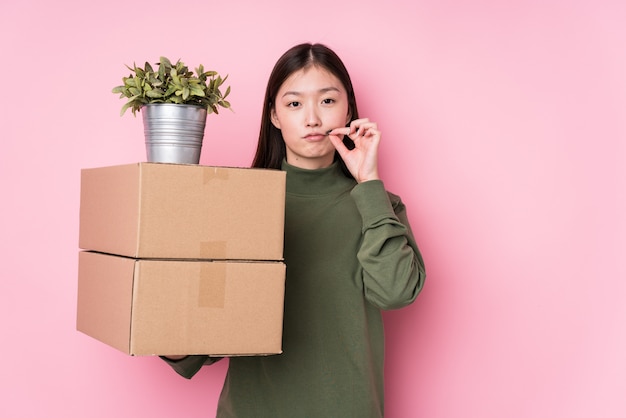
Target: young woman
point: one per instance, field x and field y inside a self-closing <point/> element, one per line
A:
<point x="349" y="251"/>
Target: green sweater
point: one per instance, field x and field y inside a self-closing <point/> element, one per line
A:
<point x="349" y="253"/>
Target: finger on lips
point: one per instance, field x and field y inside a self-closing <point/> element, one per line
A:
<point x="339" y="131"/>
<point x="353" y="130"/>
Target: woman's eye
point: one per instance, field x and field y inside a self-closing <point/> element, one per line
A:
<point x="293" y="104"/>
<point x="328" y="101"/>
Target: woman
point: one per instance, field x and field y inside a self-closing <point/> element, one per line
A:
<point x="349" y="251"/>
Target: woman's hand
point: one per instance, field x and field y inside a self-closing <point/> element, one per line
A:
<point x="362" y="161"/>
<point x="175" y="358"/>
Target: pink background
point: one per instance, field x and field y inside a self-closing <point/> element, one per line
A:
<point x="503" y="130"/>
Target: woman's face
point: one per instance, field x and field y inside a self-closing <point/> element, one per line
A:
<point x="310" y="102"/>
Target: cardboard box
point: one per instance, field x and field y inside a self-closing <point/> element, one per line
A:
<point x="159" y="307"/>
<point x="154" y="210"/>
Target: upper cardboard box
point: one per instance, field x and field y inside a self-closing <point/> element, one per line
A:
<point x="160" y="307"/>
<point x="153" y="210"/>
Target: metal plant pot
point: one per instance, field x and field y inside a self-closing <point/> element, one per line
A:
<point x="173" y="132"/>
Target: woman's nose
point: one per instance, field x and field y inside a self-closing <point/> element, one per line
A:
<point x="312" y="117"/>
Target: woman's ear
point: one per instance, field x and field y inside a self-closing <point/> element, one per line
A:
<point x="274" y="119"/>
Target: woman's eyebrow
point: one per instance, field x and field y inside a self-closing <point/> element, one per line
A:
<point x="324" y="90"/>
<point x="327" y="89"/>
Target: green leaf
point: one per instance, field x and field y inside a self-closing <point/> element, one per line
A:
<point x="170" y="90"/>
<point x="186" y="93"/>
<point x="174" y="76"/>
<point x="125" y="108"/>
<point x="164" y="62"/>
<point x="196" y="91"/>
<point x="154" y="94"/>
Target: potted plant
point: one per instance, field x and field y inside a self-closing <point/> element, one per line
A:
<point x="174" y="103"/>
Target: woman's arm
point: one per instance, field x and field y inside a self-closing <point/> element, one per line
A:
<point x="393" y="268"/>
<point x="188" y="366"/>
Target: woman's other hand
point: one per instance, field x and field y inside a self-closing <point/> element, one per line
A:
<point x="362" y="161"/>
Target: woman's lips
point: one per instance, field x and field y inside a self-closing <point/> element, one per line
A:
<point x="318" y="136"/>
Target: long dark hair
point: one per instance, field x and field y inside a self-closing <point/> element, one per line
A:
<point x="271" y="146"/>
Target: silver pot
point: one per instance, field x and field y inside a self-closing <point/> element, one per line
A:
<point x="173" y="132"/>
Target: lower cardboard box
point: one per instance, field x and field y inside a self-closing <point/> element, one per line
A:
<point x="161" y="307"/>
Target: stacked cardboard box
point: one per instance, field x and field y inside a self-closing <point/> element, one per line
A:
<point x="182" y="259"/>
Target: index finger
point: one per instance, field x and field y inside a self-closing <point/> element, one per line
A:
<point x="339" y="131"/>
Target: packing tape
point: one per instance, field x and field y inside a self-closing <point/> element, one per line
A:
<point x="214" y="173"/>
<point x="213" y="249"/>
<point x="212" y="285"/>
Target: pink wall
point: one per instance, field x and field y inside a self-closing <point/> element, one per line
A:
<point x="504" y="131"/>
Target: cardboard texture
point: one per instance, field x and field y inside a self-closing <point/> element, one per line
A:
<point x="159" y="307"/>
<point x="155" y="210"/>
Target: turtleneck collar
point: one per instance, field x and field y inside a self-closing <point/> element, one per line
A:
<point x="320" y="181"/>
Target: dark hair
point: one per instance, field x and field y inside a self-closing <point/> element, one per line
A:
<point x="271" y="146"/>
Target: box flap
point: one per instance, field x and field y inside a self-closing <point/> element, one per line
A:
<point x="105" y="286"/>
<point x="109" y="209"/>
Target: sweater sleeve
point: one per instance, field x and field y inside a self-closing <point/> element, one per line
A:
<point x="393" y="268"/>
<point x="188" y="366"/>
